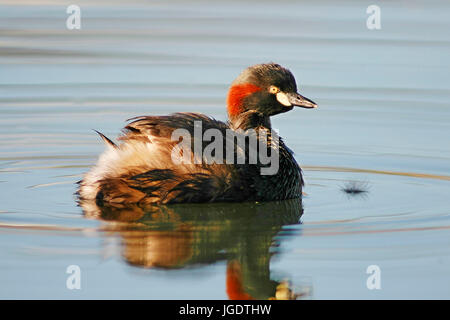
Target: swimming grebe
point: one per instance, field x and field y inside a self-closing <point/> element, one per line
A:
<point x="141" y="168"/>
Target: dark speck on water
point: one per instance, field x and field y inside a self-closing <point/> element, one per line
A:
<point x="355" y="187"/>
<point x="383" y="117"/>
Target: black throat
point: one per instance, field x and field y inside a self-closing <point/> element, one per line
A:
<point x="250" y="119"/>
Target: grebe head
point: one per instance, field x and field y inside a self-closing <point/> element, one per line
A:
<point x="268" y="89"/>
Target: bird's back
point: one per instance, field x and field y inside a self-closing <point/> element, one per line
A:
<point x="148" y="166"/>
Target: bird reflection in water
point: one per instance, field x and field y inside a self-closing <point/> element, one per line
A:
<point x="245" y="235"/>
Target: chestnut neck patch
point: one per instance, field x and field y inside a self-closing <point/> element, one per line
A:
<point x="235" y="96"/>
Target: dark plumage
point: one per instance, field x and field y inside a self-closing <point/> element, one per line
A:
<point x="141" y="169"/>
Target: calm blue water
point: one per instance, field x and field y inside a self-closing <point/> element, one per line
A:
<point x="383" y="122"/>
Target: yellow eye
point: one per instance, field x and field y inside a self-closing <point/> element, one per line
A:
<point x="274" y="90"/>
